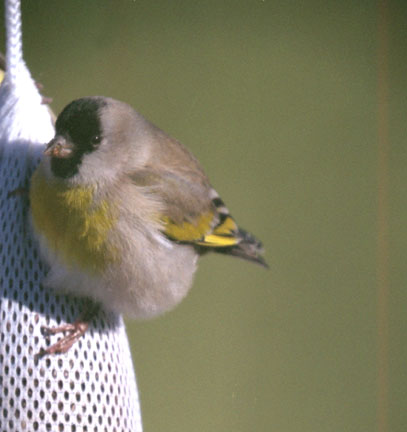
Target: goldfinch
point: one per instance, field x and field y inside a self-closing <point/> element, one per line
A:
<point x="122" y="212"/>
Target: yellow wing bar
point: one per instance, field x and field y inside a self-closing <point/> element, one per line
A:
<point x="223" y="235"/>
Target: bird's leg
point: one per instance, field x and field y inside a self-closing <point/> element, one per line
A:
<point x="46" y="100"/>
<point x="20" y="191"/>
<point x="74" y="331"/>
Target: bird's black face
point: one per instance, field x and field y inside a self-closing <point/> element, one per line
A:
<point x="78" y="132"/>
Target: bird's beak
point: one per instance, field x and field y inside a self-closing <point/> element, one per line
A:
<point x="59" y="148"/>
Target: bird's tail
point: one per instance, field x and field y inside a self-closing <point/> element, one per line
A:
<point x="248" y="248"/>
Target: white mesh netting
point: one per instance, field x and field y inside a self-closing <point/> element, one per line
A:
<point x="92" y="387"/>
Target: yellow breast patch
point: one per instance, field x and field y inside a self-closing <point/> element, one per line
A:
<point x="74" y="226"/>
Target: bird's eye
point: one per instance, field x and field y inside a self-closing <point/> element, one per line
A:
<point x="96" y="139"/>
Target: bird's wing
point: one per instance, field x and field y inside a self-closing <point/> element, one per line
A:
<point x="192" y="211"/>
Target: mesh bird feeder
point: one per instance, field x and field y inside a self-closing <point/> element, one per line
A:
<point x="92" y="387"/>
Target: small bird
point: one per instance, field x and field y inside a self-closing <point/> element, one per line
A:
<point x="122" y="212"/>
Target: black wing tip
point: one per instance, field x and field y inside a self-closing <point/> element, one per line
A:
<point x="249" y="248"/>
<point x="262" y="262"/>
<point x="248" y="254"/>
<point x="252" y="248"/>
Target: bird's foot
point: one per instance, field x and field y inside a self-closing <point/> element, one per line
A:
<point x="73" y="333"/>
<point x="46" y="100"/>
<point x="20" y="191"/>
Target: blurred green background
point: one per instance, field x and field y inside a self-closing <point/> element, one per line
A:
<point x="279" y="101"/>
